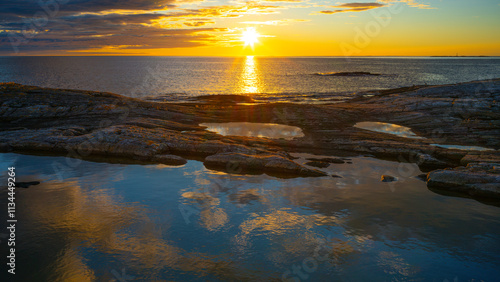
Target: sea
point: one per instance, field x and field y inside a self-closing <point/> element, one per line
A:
<point x="292" y="79"/>
<point x="107" y="221"/>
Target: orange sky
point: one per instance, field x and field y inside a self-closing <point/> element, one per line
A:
<point x="286" y="28"/>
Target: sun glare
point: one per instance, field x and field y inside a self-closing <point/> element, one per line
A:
<point x="250" y="36"/>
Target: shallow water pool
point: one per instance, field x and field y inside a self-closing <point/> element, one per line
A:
<point x="91" y="221"/>
<point x="251" y="129"/>
<point x="388" y="128"/>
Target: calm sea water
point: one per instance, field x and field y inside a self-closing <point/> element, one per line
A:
<point x="91" y="221"/>
<point x="285" y="78"/>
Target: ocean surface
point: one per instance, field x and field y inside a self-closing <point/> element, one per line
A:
<point x="285" y="79"/>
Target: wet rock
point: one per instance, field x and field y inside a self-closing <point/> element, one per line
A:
<point x="238" y="162"/>
<point x="388" y="178"/>
<point x="318" y="164"/>
<point x="472" y="180"/>
<point x="427" y="162"/>
<point x="486" y="157"/>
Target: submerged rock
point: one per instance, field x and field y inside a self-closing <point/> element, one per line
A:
<point x="388" y="178"/>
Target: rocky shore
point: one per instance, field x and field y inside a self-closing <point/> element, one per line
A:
<point x="87" y="125"/>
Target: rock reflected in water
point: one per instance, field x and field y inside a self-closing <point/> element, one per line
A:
<point x="389" y="128"/>
<point x="250" y="129"/>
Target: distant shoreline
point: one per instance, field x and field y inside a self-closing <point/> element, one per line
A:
<point x="480" y="56"/>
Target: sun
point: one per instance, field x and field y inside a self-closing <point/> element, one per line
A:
<point x="250" y="36"/>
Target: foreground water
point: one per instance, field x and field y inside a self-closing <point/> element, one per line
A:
<point x="91" y="221"/>
<point x="282" y="79"/>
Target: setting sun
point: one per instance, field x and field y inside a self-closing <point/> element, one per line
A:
<point x="250" y="36"/>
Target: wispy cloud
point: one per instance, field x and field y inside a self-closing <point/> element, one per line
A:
<point x="411" y="3"/>
<point x="352" y="7"/>
<point x="276" y="22"/>
<point x="362" y="6"/>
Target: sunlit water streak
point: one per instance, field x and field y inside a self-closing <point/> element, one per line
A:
<point x="188" y="223"/>
<point x="250" y="81"/>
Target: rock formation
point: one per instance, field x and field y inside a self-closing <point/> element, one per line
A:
<point x="85" y="124"/>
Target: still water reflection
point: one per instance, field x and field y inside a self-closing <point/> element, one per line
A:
<point x="253" y="129"/>
<point x="93" y="221"/>
<point x="389" y="128"/>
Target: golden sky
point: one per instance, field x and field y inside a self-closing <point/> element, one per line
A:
<point x="284" y="28"/>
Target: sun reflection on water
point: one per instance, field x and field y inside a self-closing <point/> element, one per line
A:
<point x="249" y="80"/>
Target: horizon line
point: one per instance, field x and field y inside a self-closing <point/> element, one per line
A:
<point x="232" y="56"/>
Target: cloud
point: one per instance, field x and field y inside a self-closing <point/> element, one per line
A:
<point x="134" y="38"/>
<point x="360" y="7"/>
<point x="137" y="24"/>
<point x="352" y="7"/>
<point x="411" y="3"/>
<point x="29" y="7"/>
<point x="275" y="22"/>
<point x="198" y="23"/>
<point x="290" y="1"/>
<point x="123" y="31"/>
<point x="80" y="24"/>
